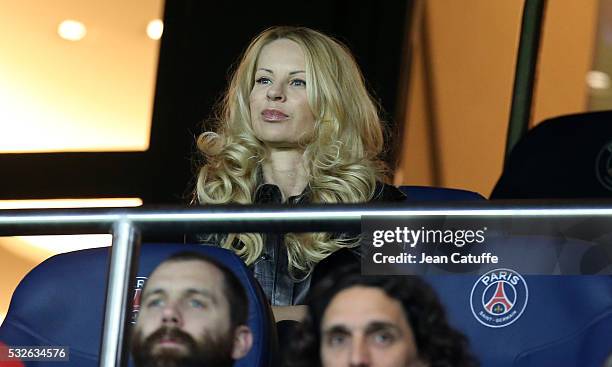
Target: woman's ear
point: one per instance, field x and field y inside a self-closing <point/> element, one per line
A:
<point x="243" y="340"/>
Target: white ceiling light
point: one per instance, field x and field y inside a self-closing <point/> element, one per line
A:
<point x="155" y="29"/>
<point x="72" y="30"/>
<point x="598" y="80"/>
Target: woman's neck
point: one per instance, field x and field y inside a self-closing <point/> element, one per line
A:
<point x="285" y="169"/>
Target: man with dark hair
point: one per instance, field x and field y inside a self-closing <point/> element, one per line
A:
<point x="193" y="313"/>
<point x="383" y="321"/>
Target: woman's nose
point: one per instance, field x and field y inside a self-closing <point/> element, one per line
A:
<point x="276" y="93"/>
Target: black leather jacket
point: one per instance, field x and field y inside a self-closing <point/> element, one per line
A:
<point x="272" y="268"/>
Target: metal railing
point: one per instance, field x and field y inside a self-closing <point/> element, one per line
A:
<point x="126" y="225"/>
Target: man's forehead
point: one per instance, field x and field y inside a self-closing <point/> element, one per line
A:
<point x="359" y="307"/>
<point x="365" y="321"/>
<point x="186" y="274"/>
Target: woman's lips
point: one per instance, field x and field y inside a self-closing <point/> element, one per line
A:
<point x="274" y="115"/>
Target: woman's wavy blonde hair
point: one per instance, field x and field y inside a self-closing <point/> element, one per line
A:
<point x="342" y="158"/>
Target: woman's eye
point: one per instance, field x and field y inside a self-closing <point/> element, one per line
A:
<point x="263" y="80"/>
<point x="298" y="82"/>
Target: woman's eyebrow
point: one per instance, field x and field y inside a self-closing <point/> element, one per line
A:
<point x="272" y="72"/>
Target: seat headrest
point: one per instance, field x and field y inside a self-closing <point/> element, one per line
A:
<point x="561" y="158"/>
<point x="425" y="193"/>
<point x="559" y="321"/>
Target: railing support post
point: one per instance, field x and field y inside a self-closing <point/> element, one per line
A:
<point x="525" y="74"/>
<point x="123" y="264"/>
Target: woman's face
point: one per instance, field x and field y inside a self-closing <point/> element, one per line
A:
<point x="280" y="113"/>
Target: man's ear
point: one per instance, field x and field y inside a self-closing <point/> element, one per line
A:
<point x="243" y="340"/>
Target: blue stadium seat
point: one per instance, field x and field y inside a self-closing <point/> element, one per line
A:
<point x="425" y="193"/>
<point x="567" y="321"/>
<point x="61" y="303"/>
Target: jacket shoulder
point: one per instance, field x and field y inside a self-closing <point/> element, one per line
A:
<point x="387" y="193"/>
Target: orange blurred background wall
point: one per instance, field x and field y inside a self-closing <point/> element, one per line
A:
<point x="460" y="90"/>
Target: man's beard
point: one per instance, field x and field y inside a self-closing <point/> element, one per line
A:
<point x="208" y="351"/>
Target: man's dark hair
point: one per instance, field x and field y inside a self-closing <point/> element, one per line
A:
<point x="438" y="344"/>
<point x="232" y="287"/>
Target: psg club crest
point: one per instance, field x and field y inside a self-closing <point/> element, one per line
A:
<point x="140" y="282"/>
<point x="499" y="298"/>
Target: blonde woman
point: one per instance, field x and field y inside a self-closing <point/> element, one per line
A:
<point x="296" y="125"/>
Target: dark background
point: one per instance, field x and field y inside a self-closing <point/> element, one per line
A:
<point x="201" y="43"/>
